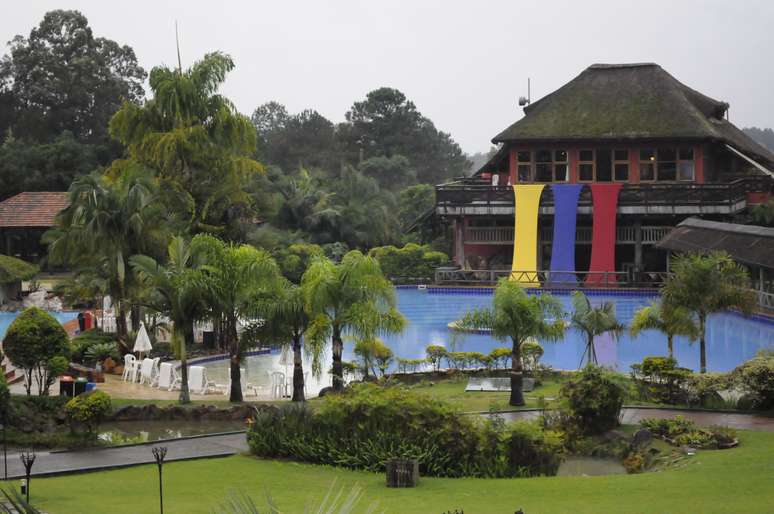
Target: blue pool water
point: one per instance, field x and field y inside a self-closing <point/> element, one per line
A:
<point x="731" y="339"/>
<point x="7" y="317"/>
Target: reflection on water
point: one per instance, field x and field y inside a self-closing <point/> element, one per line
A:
<point x="143" y="431"/>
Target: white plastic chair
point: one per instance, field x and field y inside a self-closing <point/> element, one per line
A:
<point x="130" y="361"/>
<point x="197" y="380"/>
<point x="168" y="377"/>
<point x="246" y="386"/>
<point x="278" y="385"/>
<point x="155" y="372"/>
<point x="146" y="371"/>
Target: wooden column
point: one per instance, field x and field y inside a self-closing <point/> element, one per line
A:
<point x="459" y="241"/>
<point x="637" y="248"/>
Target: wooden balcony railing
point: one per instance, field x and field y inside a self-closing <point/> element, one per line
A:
<point x="504" y="235"/>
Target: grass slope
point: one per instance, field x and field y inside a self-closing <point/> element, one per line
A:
<point x="736" y="481"/>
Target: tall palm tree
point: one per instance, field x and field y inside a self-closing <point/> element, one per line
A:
<point x="109" y="220"/>
<point x="352" y="297"/>
<point x="285" y="321"/>
<point x="177" y="290"/>
<point x="675" y="321"/>
<point x="703" y="284"/>
<point x="517" y="316"/>
<point x="193" y="138"/>
<point x="593" y="321"/>
<point x="236" y="275"/>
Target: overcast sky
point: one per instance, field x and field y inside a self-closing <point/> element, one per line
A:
<point x="464" y="63"/>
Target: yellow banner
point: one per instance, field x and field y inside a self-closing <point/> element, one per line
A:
<point x="527" y="201"/>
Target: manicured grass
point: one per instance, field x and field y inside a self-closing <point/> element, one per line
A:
<point x="723" y="481"/>
<point x="453" y="391"/>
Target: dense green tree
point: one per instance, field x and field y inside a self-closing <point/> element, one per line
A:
<point x="703" y="284"/>
<point x="62" y="78"/>
<point x="236" y="276"/>
<point x="764" y="136"/>
<point x="38" y="345"/>
<point x="414" y="201"/>
<point x="592" y="321"/>
<point x="352" y="298"/>
<point x="108" y="221"/>
<point x="178" y="290"/>
<point x="520" y="317"/>
<point x="194" y="139"/>
<point x="674" y="321"/>
<point x="763" y="213"/>
<point x="391" y="173"/>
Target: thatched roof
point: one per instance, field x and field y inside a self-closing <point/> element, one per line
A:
<point x="620" y="102"/>
<point x="15" y="270"/>
<point x="748" y="244"/>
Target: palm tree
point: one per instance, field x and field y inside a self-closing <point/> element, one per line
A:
<point x="286" y="320"/>
<point x="237" y="276"/>
<point x="109" y="220"/>
<point x="594" y="321"/>
<point x="193" y="138"/>
<point x="352" y="297"/>
<point x="177" y="290"/>
<point x="675" y="321"/>
<point x="703" y="284"/>
<point x="517" y="316"/>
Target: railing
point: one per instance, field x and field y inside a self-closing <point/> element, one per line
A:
<point x="625" y="235"/>
<point x="597" y="279"/>
<point x="765" y="300"/>
<point x="472" y="191"/>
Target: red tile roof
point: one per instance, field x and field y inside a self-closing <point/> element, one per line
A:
<point x="32" y="209"/>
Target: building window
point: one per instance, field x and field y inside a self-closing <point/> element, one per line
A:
<point x="586" y="165"/>
<point x="621" y="165"/>
<point x="685" y="165"/>
<point x="543" y="166"/>
<point x="525" y="166"/>
<point x="666" y="167"/>
<point x="560" y="166"/>
<point x="647" y="164"/>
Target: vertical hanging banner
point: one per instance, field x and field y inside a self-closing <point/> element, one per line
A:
<point x="605" y="198"/>
<point x="565" y="221"/>
<point x="525" y="235"/>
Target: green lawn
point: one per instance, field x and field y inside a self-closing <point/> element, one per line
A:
<point x="738" y="481"/>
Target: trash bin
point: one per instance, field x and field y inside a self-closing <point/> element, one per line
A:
<point x="66" y="386"/>
<point x="81" y="322"/>
<point x="208" y="339"/>
<point x="80" y="386"/>
<point x="88" y="320"/>
<point x="90" y="386"/>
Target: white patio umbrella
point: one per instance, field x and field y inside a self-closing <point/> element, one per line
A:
<point x="142" y="344"/>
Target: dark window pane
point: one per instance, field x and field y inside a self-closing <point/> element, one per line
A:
<point x="560" y="156"/>
<point x="667" y="154"/>
<point x="543" y="172"/>
<point x="604" y="165"/>
<point x="685" y="171"/>
<point x="621" y="155"/>
<point x="686" y="154"/>
<point x="647" y="154"/>
<point x="525" y="173"/>
<point x="560" y="172"/>
<point x="646" y="171"/>
<point x="667" y="170"/>
<point x="524" y="156"/>
<point x="622" y="172"/>
<point x="543" y="156"/>
<point x="585" y="172"/>
<point x="586" y="155"/>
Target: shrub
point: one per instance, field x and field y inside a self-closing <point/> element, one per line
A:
<point x="368" y="425"/>
<point x="434" y="354"/>
<point x="101" y="351"/>
<point x="501" y="357"/>
<point x="85" y="340"/>
<point x="756" y="378"/>
<point x="410" y="263"/>
<point x="634" y="463"/>
<point x="680" y="431"/>
<point x="593" y="400"/>
<point x="660" y="379"/>
<point x="32" y="342"/>
<point x="89" y="409"/>
<point x="703" y="389"/>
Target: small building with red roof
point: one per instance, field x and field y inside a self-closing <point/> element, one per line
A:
<point x="23" y="220"/>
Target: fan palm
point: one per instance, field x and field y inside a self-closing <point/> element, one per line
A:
<point x="594" y="321"/>
<point x="236" y="276"/>
<point x="177" y="290"/>
<point x="675" y="321"/>
<point x="517" y="316"/>
<point x="352" y="297"/>
<point x="703" y="284"/>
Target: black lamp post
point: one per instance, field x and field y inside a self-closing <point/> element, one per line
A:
<point x="28" y="459"/>
<point x="159" y="453"/>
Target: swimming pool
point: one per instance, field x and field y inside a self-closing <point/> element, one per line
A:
<point x="731" y="338"/>
<point x="7" y="317"/>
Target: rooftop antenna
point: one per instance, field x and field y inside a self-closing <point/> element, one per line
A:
<point x="177" y="44"/>
<point x="526" y="101"/>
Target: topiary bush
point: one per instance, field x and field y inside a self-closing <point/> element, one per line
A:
<point x="89" y="409"/>
<point x="661" y="380"/>
<point x="36" y="344"/>
<point x="756" y="378"/>
<point x="368" y="425"/>
<point x="593" y="400"/>
<point x="410" y="263"/>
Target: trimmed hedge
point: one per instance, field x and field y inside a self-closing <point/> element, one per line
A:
<point x="410" y="263"/>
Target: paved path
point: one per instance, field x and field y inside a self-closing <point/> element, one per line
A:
<point x="54" y="463"/>
<point x="633" y="415"/>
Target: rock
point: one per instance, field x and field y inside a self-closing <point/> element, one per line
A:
<point x="614" y="435"/>
<point x="642" y="438"/>
<point x="688" y="450"/>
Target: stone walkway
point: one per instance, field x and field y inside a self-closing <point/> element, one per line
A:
<point x="633" y="415"/>
<point x="56" y="463"/>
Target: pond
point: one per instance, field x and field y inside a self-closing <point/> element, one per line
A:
<point x="144" y="431"/>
